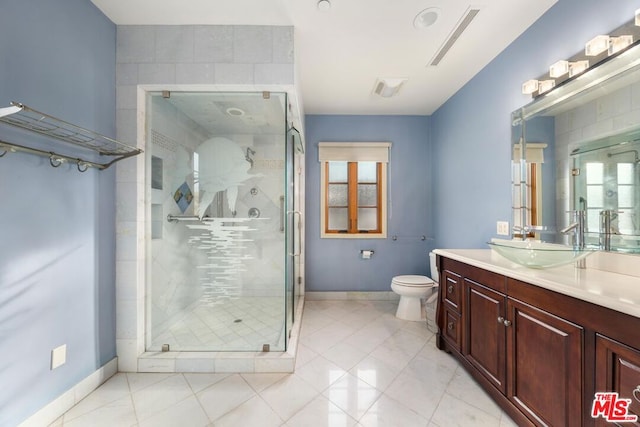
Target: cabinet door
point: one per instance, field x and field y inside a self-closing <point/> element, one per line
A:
<point x="618" y="369"/>
<point x="544" y="365"/>
<point x="486" y="332"/>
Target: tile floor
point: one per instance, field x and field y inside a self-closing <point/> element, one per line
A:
<point x="357" y="365"/>
<point x="233" y="324"/>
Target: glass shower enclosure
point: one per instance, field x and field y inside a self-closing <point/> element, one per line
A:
<point x="222" y="230"/>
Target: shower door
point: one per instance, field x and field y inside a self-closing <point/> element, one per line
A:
<point x="606" y="177"/>
<point x="294" y="224"/>
<point x="219" y="232"/>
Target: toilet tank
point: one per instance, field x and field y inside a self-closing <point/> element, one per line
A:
<point x="434" y="267"/>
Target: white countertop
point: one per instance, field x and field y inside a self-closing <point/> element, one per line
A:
<point x="612" y="290"/>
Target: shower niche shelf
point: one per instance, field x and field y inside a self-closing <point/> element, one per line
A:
<point x="24" y="117"/>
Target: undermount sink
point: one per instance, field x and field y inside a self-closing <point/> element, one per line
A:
<point x="535" y="254"/>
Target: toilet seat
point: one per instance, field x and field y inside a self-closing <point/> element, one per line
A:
<point x="413" y="280"/>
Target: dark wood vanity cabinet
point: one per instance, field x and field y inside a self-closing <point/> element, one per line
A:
<point x="541" y="355"/>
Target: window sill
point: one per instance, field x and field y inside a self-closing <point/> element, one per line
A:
<point x="324" y="235"/>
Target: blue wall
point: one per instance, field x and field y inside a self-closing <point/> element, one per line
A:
<point x="335" y="264"/>
<point x="471" y="131"/>
<point x="57" y="226"/>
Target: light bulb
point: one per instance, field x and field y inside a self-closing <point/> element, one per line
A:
<point x="529" y="87"/>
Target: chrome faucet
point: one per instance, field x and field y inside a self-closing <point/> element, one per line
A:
<point x="578" y="226"/>
<point x="524" y="231"/>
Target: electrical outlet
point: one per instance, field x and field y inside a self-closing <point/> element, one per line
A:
<point x="58" y="356"/>
<point x="502" y="228"/>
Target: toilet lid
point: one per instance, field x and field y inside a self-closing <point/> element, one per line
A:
<point x="413" y="280"/>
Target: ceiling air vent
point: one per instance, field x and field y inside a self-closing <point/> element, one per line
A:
<point x="455" y="34"/>
<point x="388" y="87"/>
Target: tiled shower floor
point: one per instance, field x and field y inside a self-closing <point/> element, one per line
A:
<point x="357" y="365"/>
<point x="237" y="324"/>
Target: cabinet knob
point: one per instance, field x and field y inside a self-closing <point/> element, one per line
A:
<point x="450" y="326"/>
<point x="636" y="393"/>
<point x="505" y="322"/>
<point x="450" y="289"/>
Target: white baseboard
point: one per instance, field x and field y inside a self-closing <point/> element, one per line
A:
<point x="71" y="397"/>
<point x="371" y="296"/>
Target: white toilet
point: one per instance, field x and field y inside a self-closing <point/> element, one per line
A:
<point x="413" y="290"/>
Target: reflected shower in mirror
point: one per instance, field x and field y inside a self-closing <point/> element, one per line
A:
<point x="606" y="178"/>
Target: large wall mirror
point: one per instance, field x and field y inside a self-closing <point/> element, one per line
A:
<point x="577" y="147"/>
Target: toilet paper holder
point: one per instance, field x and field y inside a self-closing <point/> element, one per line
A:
<point x="366" y="253"/>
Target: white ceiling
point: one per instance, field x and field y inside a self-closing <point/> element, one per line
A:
<point x="341" y="52"/>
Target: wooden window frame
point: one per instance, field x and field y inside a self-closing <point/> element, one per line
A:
<point x="352" y="182"/>
<point x="534" y="155"/>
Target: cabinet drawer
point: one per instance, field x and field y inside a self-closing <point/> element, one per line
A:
<point x="452" y="328"/>
<point x="452" y="289"/>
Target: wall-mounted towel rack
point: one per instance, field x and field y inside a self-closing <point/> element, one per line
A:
<point x="35" y="121"/>
<point x="176" y="218"/>
<point x="423" y="238"/>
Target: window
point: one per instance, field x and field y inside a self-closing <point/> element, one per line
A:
<point x="626" y="197"/>
<point x="353" y="193"/>
<point x="532" y="203"/>
<point x="595" y="194"/>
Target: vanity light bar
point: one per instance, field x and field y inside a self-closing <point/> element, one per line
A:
<point x="601" y="46"/>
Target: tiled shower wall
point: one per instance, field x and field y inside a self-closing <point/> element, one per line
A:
<point x="612" y="113"/>
<point x="196" y="57"/>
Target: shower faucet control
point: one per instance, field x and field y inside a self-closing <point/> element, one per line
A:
<point x="248" y="155"/>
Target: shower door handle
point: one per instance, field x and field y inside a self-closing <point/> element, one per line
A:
<point x="282" y="220"/>
<point x="299" y="233"/>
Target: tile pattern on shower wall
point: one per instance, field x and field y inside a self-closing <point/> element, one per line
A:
<point x="159" y="51"/>
<point x="199" y="54"/>
<point x="618" y="111"/>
